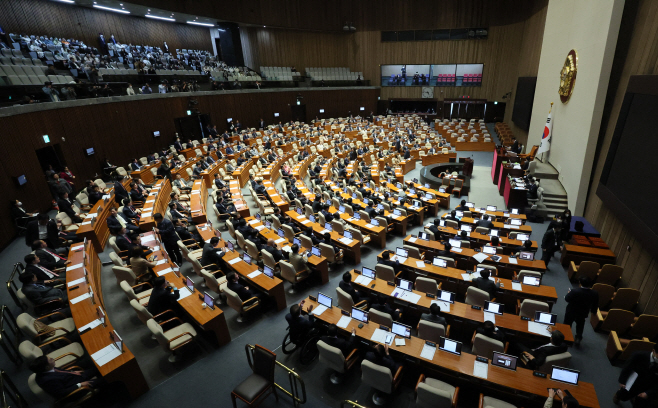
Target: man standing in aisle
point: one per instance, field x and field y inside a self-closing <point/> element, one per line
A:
<point x="580" y="302"/>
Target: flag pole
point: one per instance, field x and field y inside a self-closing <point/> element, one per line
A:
<point x="549" y="112"/>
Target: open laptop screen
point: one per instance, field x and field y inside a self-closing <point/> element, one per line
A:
<point x="504" y="360"/>
<point x="566" y="375"/>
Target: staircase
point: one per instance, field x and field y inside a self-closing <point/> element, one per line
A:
<point x="555" y="196"/>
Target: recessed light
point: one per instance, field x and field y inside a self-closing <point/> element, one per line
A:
<point x="159" y="18"/>
<point x="111" y="9"/>
<point x="201" y="24"/>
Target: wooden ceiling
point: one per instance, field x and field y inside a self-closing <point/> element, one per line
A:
<point x="365" y="15"/>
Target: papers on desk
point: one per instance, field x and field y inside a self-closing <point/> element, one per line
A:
<point x="511" y="260"/>
<point x="254" y="274"/>
<point x="517" y="286"/>
<point x="381" y="336"/>
<point x="363" y="280"/>
<point x="75" y="282"/>
<point x="252" y="222"/>
<point x="234" y="260"/>
<point x="287" y="248"/>
<point x="369" y="225"/>
<point x="160" y="262"/>
<point x="412" y="239"/>
<point x="280" y="240"/>
<point x="405" y="295"/>
<point x="306" y="222"/>
<point x="106" y="197"/>
<point x="399" y="342"/>
<point x="86" y="223"/>
<point x="539" y="328"/>
<point x="184" y="292"/>
<point x="480" y="369"/>
<point x="467" y="277"/>
<point x="146" y="214"/>
<point x="420" y="264"/>
<point x="480" y="257"/>
<point x="344" y="321"/>
<point x="428" y="352"/>
<point x="399" y="259"/>
<point x="72" y="267"/>
<point x="444" y="306"/>
<point x="165" y="271"/>
<point x="488" y="316"/>
<point x="324" y="231"/>
<point x="149" y="201"/>
<point x="75" y="248"/>
<point x="92" y="215"/>
<point x="156" y="248"/>
<point x="106" y="354"/>
<point x="346" y="241"/>
<point x="81" y="298"/>
<point x="458" y="250"/>
<point x="90" y="325"/>
<point x="514" y="226"/>
<point x="280" y="202"/>
<point x="319" y="310"/>
<point x="260" y="227"/>
<point x="148" y="238"/>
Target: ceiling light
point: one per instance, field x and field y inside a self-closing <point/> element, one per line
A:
<point x="111" y="9"/>
<point x="159" y="18"/>
<point x="67" y="1"/>
<point x="201" y="24"/>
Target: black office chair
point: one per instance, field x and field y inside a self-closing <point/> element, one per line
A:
<point x="261" y="382"/>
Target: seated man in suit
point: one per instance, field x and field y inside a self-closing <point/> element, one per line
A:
<point x="136" y="193"/>
<point x="59" y="383"/>
<point x="349" y="288"/>
<point x="40" y="291"/>
<point x="43" y="228"/>
<point x="116" y="221"/>
<point x="490" y="330"/>
<point x="135" y="165"/>
<point x="384" y="305"/>
<point x="327" y="215"/>
<point x="299" y="323"/>
<point x="317" y="204"/>
<point x="129" y="211"/>
<point x="120" y="192"/>
<point x="452" y="216"/>
<point x="386" y="260"/>
<point x="163" y="296"/>
<point x="434" y="228"/>
<point x="446" y="251"/>
<point x="462" y="206"/>
<point x="527" y="246"/>
<point x="181" y="184"/>
<point x="486" y="284"/>
<point x="185" y="234"/>
<point x="242" y="291"/>
<point x="177" y="215"/>
<point x="381" y="357"/>
<point x="66" y="206"/>
<point x="534" y="358"/>
<point x="332" y="339"/>
<point x="484" y="222"/>
<point x="276" y="253"/>
<point x="33" y="265"/>
<point x="434" y="316"/>
<point x="211" y="255"/>
<point x="48" y="258"/>
<point x="297" y="261"/>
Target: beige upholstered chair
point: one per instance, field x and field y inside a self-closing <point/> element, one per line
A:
<point x="346" y="302"/>
<point x="432" y="393"/>
<point x="141" y="297"/>
<point x="381" y="379"/>
<point x="288" y="273"/>
<point x="64" y="356"/>
<point x="616" y="319"/>
<point x="333" y="358"/>
<point x="64" y="326"/>
<point x="485" y="346"/>
<point x="76" y="398"/>
<point x="432" y="331"/>
<point x="174" y="338"/>
<point x="528" y="307"/>
<point x="234" y="301"/>
<point x="475" y="296"/>
<point x="380" y="317"/>
<point x="621" y="349"/>
<point x="488" y="402"/>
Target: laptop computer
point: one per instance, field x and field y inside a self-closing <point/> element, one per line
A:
<point x="325" y="303"/>
<point x="531" y="280"/>
<point x="527" y="255"/>
<point x="565" y="375"/>
<point x="268" y="272"/>
<point x="405" y="284"/>
<point x="459" y="214"/>
<point x="359" y="315"/>
<point x="311" y="218"/>
<point x="455" y="243"/>
<point x="316" y="251"/>
<point x="515" y="221"/>
<point x="446" y="296"/>
<point x="424" y="235"/>
<point x="493" y="307"/>
<point x="368" y="273"/>
<point x="470" y="205"/>
<point x="451" y="346"/>
<point x="246" y="258"/>
<point x="401" y="254"/>
<point x="442" y="263"/>
<point x="341" y="208"/>
<point x="546" y="318"/>
<point x="465" y="227"/>
<point x="374" y="222"/>
<point x="401" y="330"/>
<point x="504" y="360"/>
<point x="208" y="300"/>
<point x="492" y="208"/>
<point x="522" y="237"/>
<point x="327" y="226"/>
<point x="493" y="232"/>
<point x="281" y="233"/>
<point x="489" y="250"/>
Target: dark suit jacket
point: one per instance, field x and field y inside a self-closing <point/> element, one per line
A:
<point x="129" y="213"/>
<point x="32" y="233"/>
<point x="60" y="384"/>
<point x="486" y="285"/>
<point x="346" y="346"/>
<point x="120" y="192"/>
<point x="497" y="335"/>
<point x="385" y="361"/>
<point x="167" y="232"/>
<point x="241" y="290"/>
<point x="134" y="166"/>
<point x="349" y="289"/>
<point x="541" y="353"/>
<point x="276" y="253"/>
<point x="582" y="301"/>
<point x="299" y="326"/>
<point x="435" y="231"/>
<point x="434" y="319"/>
<point x="647" y="379"/>
<point x="41" y="275"/>
<point x="39" y="293"/>
<point x="47" y="261"/>
<point x="209" y="255"/>
<point x="162" y="299"/>
<point x="548" y="242"/>
<point x="485" y="224"/>
<point x="67" y="207"/>
<point x="113" y="222"/>
<point x="136" y="196"/>
<point x="393" y="264"/>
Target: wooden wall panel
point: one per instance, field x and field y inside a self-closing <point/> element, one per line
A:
<point x="54" y="19"/>
<point x="636" y="54"/>
<point x="121" y="131"/>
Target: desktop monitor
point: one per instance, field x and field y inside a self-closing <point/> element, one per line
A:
<point x="375" y="223"/>
<point x="522" y="237"/>
<point x="489" y="250"/>
<point x="324" y="300"/>
<point x="297" y="241"/>
<point x="504" y="360"/>
<point x="515" y="211"/>
<point x="493" y="307"/>
<point x="311" y="217"/>
<point x="268" y="272"/>
<point x="455" y="243"/>
<point x="359" y="315"/>
<point x="470" y="205"/>
<point x="424" y="235"/>
<point x="208" y="300"/>
<point x="401" y="252"/>
<point x="531" y="280"/>
<point x="515" y="221"/>
<point x="418" y="204"/>
<point x="347" y="234"/>
<point x="546" y="318"/>
<point x="450" y="346"/>
<point x="368" y="273"/>
<point x="189" y="284"/>
<point x="281" y="233"/>
<point x="357" y="216"/>
<point x="492" y="208"/>
<point x="459" y="214"/>
<point x="527" y="255"/>
<point x="229" y="245"/>
<point x="401" y="330"/>
<point x="493" y="232"/>
<point x="565" y="375"/>
<point x="316" y="251"/>
<point x="466" y="227"/>
<point x="397" y="212"/>
<point x="327" y="226"/>
<point x="299" y="211"/>
<point x="405" y="284"/>
<point x="446" y="296"/>
<point x="442" y="263"/>
<point x="246" y="258"/>
<point x="341" y="208"/>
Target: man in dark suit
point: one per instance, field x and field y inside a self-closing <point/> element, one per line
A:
<point x="446" y="251"/>
<point x="434" y="229"/>
<point x="120" y="192"/>
<point x="434" y="316"/>
<point x="489" y="329"/>
<point x="164" y="170"/>
<point x="169" y="238"/>
<point x="298" y="322"/>
<point x="317" y="204"/>
<point x="66" y="206"/>
<point x="386" y="260"/>
<point x="48" y="258"/>
<point x="162" y="297"/>
<point x="276" y="253"/>
<point x="535" y="358"/>
<point x="261" y="124"/>
<point x="485" y="284"/>
<point x="381" y="357"/>
<point x="33" y="265"/>
<point x="59" y="383"/>
<point x="484" y="222"/>
<point x="39" y="292"/>
<point x="210" y="254"/>
<point x="452" y="216"/>
<point x="580" y="302"/>
<point x="549" y="244"/>
<point x="645" y="387"/>
<point x="242" y="291"/>
<point x="114" y="222"/>
<point x="332" y="339"/>
<point x="384" y="305"/>
<point x="347" y="287"/>
<point x="135" y="165"/>
<point x="42" y="228"/>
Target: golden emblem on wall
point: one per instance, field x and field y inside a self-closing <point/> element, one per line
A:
<point x="568" y="76"/>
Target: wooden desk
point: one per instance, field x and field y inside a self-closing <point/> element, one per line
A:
<point x="505" y="170"/>
<point x="514" y="197"/>
<point x="460" y="367"/>
<point x="408" y="165"/>
<point x="442" y="199"/>
<point x="123" y="368"/>
<point x="578" y="254"/>
<point x="507" y="228"/>
<point x="242" y="172"/>
<point x="207" y="319"/>
<point x="238" y="200"/>
<point x="208" y="175"/>
<point x="482" y="239"/>
<point x="156" y="202"/>
<point x="95" y="228"/>
<point x="145" y="173"/>
<point x="273" y="193"/>
<point x="198" y="200"/>
<point x="438" y="158"/>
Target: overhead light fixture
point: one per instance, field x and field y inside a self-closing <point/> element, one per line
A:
<point x="111" y="9"/>
<point x="160" y="18"/>
<point x="66" y="1"/>
<point x="346" y="27"/>
<point x="201" y="24"/>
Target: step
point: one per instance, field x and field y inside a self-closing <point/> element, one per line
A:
<point x="556" y="200"/>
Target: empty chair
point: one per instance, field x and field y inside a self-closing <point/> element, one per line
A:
<point x="488" y="402"/>
<point x="621" y="349"/>
<point x="333" y="358"/>
<point x="476" y="297"/>
<point x="606" y="292"/>
<point x="63" y="356"/>
<point x="449" y="261"/>
<point x="432" y="393"/>
<point x="174" y="338"/>
<point x="414" y="252"/>
<point x="610" y="274"/>
<point x="432" y="331"/>
<point x="426" y="285"/>
<point x="585" y="269"/>
<point x="127" y="274"/>
<point x="144" y="315"/>
<point x="528" y="307"/>
<point x="381" y="379"/>
<point x="644" y="326"/>
<point x="485" y="346"/>
<point x="615" y="319"/>
<point x="346" y="302"/>
<point x="260" y="382"/>
<point x="58" y="328"/>
<point x="289" y="273"/>
<point x="625" y="299"/>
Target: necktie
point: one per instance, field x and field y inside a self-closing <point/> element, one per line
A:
<point x="55" y="255"/>
<point x="127" y="239"/>
<point x="47" y="271"/>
